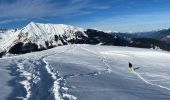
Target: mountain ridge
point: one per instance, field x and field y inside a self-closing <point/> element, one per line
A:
<point x="43" y="35"/>
<point x="39" y="36"/>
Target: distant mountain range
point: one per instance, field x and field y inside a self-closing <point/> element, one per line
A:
<point x="161" y="35"/>
<point x="38" y="36"/>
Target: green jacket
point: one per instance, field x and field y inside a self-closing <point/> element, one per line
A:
<point x="131" y="69"/>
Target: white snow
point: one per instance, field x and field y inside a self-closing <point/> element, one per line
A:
<point x="5" y="35"/>
<point x="146" y="81"/>
<point x="92" y="72"/>
<point x="28" y="77"/>
<point x="26" y="82"/>
<point x="56" y="86"/>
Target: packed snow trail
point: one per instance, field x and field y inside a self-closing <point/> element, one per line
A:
<point x="58" y="81"/>
<point x="37" y="72"/>
<point x="59" y="89"/>
<point x="146" y="81"/>
<point x="26" y="83"/>
<point x="56" y="86"/>
<point x="36" y="80"/>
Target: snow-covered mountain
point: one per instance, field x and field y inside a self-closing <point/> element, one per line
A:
<point x="41" y="36"/>
<point x="161" y="35"/>
<point x="152" y="39"/>
<point x="6" y="33"/>
<point x="37" y="36"/>
<point x="166" y="39"/>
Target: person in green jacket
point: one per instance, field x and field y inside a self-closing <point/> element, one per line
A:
<point x="130" y="67"/>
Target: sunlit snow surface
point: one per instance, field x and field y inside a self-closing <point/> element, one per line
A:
<point x="86" y="72"/>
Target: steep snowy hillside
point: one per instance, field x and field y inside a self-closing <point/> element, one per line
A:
<point x="166" y="39"/>
<point x="4" y="34"/>
<point x="86" y="72"/>
<point x="41" y="36"/>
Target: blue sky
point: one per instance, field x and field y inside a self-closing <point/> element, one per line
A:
<point x="114" y="15"/>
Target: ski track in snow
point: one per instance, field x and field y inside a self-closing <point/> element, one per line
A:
<point x="30" y="75"/>
<point x="25" y="82"/>
<point x="140" y="76"/>
<point x="95" y="73"/>
<point x="103" y="58"/>
<point x="150" y="83"/>
<point x="59" y="85"/>
<point x="145" y="80"/>
<point x="56" y="86"/>
<point x="60" y="82"/>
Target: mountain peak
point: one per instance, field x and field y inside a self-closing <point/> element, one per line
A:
<point x="31" y="23"/>
<point x="43" y="36"/>
<point x="47" y="24"/>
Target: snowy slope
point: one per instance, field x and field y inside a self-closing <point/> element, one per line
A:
<point x="4" y="34"/>
<point x="166" y="39"/>
<point x="86" y="72"/>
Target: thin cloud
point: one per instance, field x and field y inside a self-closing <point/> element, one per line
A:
<point x="11" y="20"/>
<point x="35" y="9"/>
<point x="101" y="7"/>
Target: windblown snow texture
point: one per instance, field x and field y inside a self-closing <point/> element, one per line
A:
<point x="86" y="72"/>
